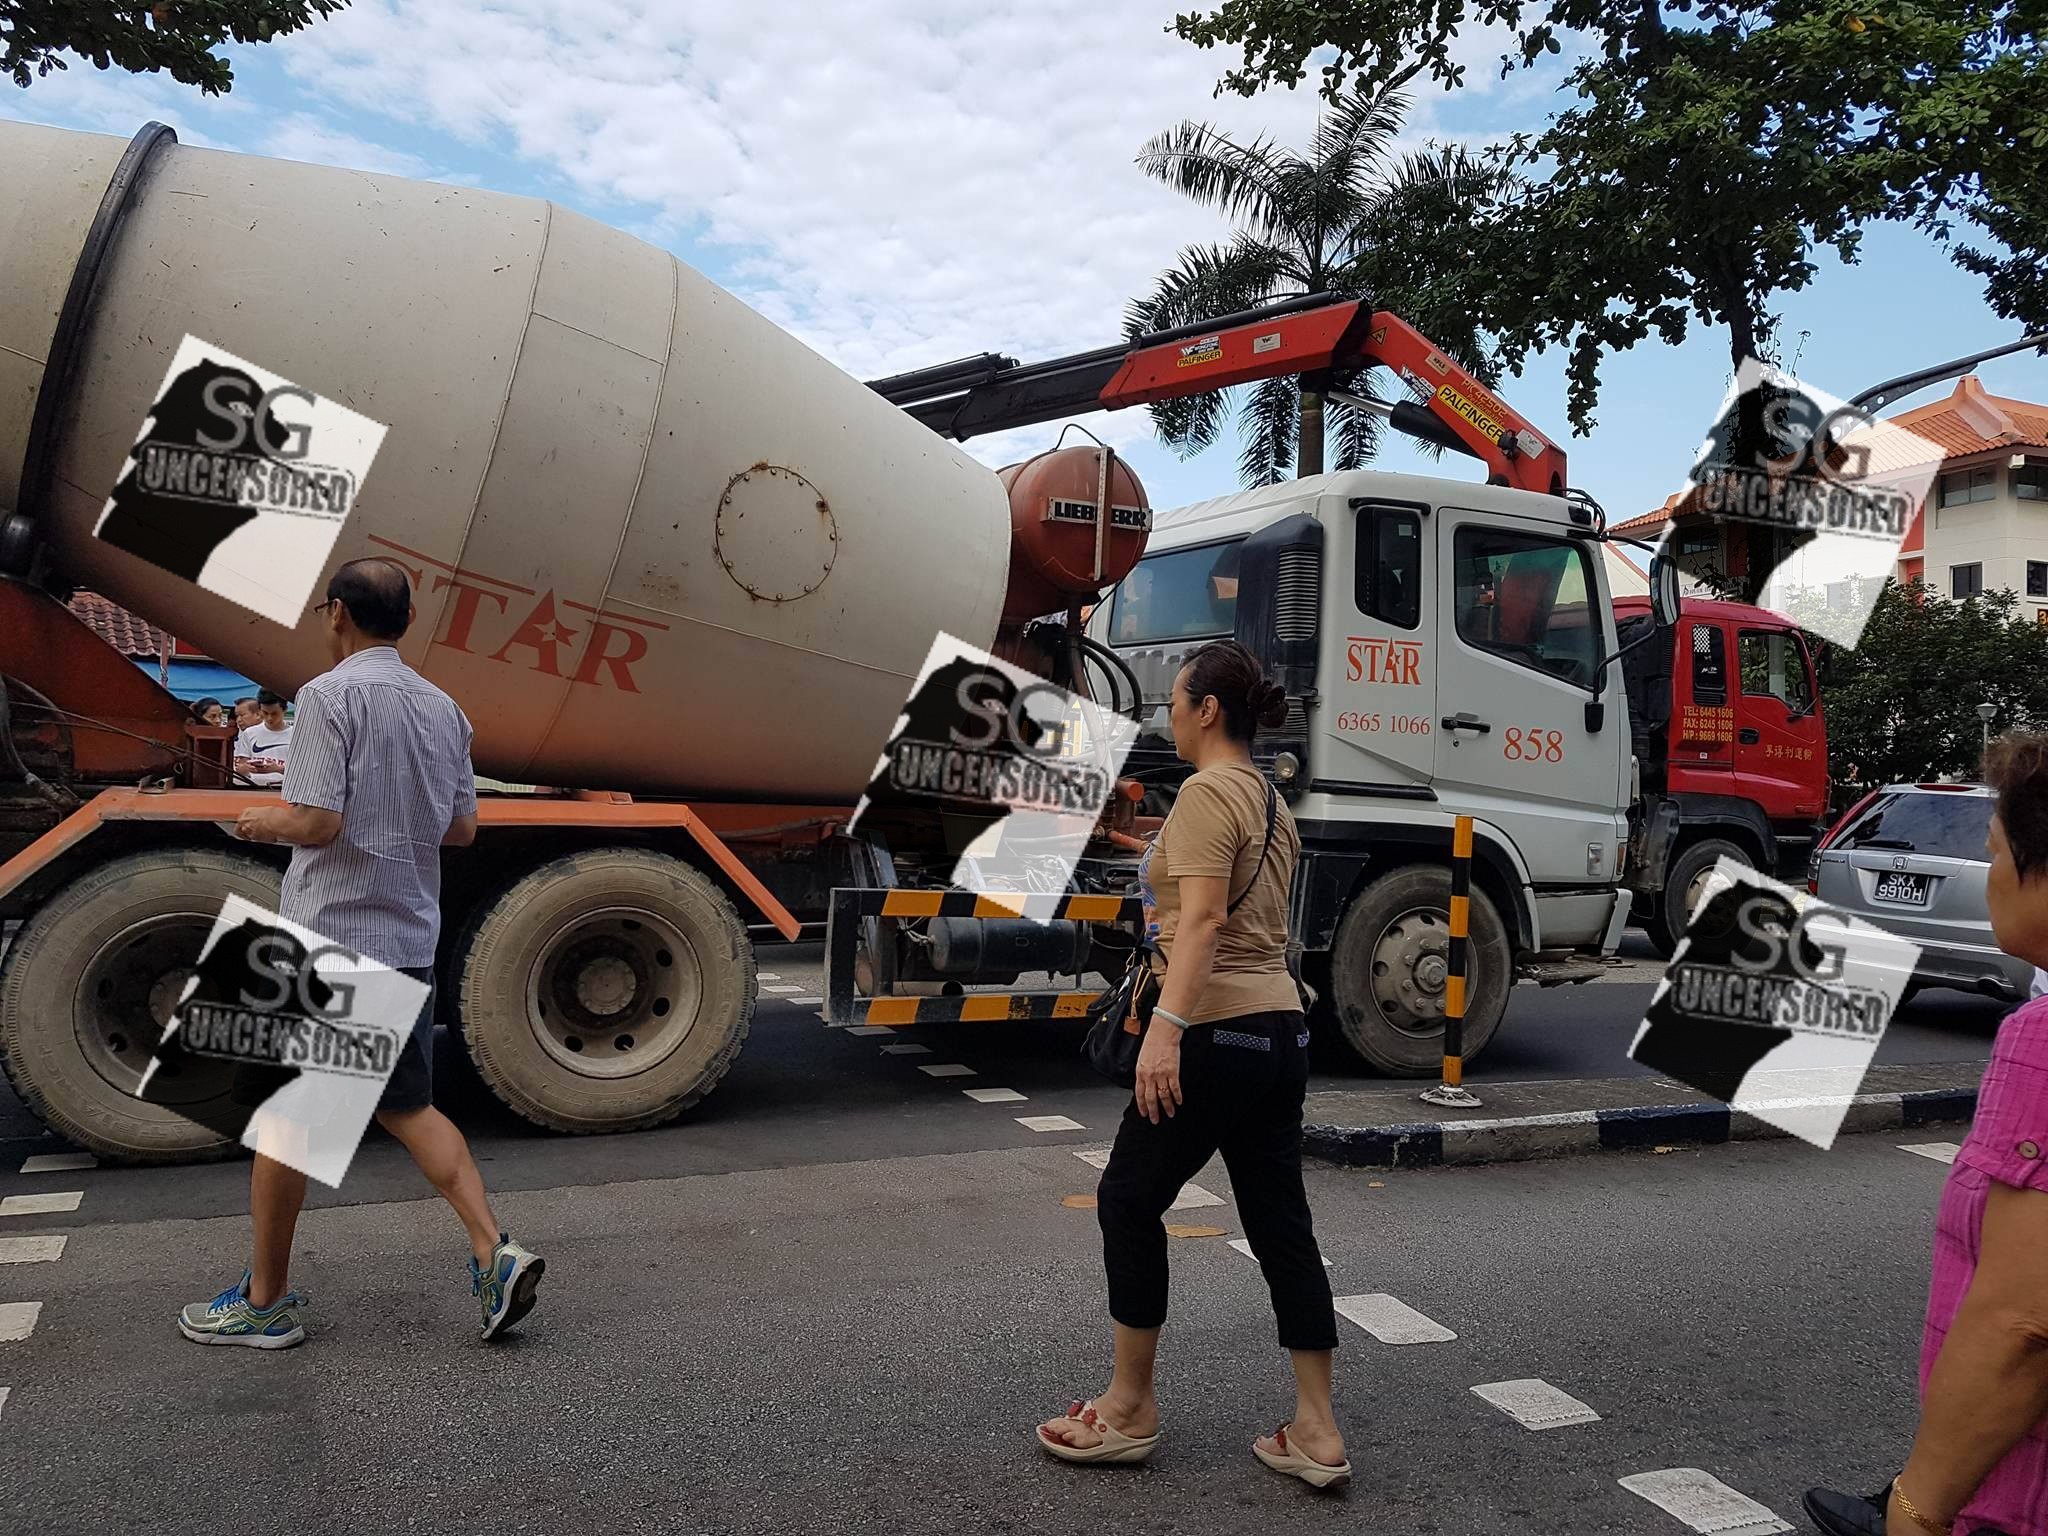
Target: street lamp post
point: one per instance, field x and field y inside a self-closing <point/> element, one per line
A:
<point x="1985" y="712"/>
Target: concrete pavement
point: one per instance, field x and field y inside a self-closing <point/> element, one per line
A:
<point x="864" y="1345"/>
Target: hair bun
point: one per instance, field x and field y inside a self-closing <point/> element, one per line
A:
<point x="1269" y="704"/>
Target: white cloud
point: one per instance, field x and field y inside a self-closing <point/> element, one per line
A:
<point x="899" y="182"/>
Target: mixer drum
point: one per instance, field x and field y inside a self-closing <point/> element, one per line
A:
<point x="657" y="543"/>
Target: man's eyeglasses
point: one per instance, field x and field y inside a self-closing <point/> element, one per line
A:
<point x="321" y="608"/>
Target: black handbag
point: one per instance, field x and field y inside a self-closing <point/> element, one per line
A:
<point x="1117" y="1020"/>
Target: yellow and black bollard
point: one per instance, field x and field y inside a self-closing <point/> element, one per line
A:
<point x="1452" y="1090"/>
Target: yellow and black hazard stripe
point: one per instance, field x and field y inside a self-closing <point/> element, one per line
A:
<point x="970" y="1008"/>
<point x="1454" y="983"/>
<point x="1046" y="908"/>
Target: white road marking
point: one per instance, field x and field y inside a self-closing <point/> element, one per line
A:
<point x="1704" y="1502"/>
<point x="805" y="1002"/>
<point x="780" y="988"/>
<point x="865" y="1031"/>
<point x="1244" y="1246"/>
<point x="1392" y="1321"/>
<point x="1535" y="1404"/>
<point x="905" y="1048"/>
<point x="994" y="1095"/>
<point x="949" y="1069"/>
<point x="18" y="1319"/>
<point x="1094" y="1157"/>
<point x="59" y="1162"/>
<point x="1049" y="1123"/>
<point x="3" y="1398"/>
<point x="767" y="976"/>
<point x="41" y="1205"/>
<point x="30" y="1250"/>
<point x="1940" y="1151"/>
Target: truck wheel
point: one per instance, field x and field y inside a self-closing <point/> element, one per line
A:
<point x="89" y="982"/>
<point x="1685" y="884"/>
<point x="607" y="991"/>
<point x="1389" y="964"/>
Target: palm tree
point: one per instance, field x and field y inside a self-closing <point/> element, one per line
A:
<point x="1402" y="233"/>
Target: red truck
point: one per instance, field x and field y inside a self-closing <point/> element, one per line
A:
<point x="1731" y="749"/>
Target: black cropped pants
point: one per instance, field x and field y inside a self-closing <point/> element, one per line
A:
<point x="1242" y="1082"/>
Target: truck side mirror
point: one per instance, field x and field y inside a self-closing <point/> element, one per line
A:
<point x="1664" y="590"/>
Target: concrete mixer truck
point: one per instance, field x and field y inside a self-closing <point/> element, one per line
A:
<point x="669" y="561"/>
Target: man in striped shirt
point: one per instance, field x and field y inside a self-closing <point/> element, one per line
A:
<point x="378" y="781"/>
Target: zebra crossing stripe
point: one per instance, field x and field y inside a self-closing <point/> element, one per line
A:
<point x="1535" y="1404"/>
<point x="1392" y="1321"/>
<point x="1703" y="1502"/>
<point x="59" y="1162"/>
<point x="30" y="1250"/>
<point x="41" y="1205"/>
<point x="18" y="1319"/>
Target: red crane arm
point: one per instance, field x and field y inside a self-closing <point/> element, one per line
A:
<point x="1327" y="336"/>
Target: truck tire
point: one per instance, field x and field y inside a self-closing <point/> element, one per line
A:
<point x="1683" y="887"/>
<point x="82" y="980"/>
<point x="1389" y="963"/>
<point x="608" y="990"/>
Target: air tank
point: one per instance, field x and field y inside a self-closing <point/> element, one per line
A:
<point x="658" y="544"/>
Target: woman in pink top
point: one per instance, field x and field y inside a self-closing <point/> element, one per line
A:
<point x="1979" y="1465"/>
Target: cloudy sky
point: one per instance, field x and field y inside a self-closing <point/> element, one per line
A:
<point x="902" y="182"/>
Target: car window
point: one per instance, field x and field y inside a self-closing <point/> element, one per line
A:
<point x="1387" y="583"/>
<point x="1185" y="595"/>
<point x="1527" y="600"/>
<point x="1709" y="665"/>
<point x="1774" y="666"/>
<point x="1948" y="826"/>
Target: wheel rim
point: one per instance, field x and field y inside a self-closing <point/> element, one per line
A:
<point x="1702" y="884"/>
<point x="1410" y="963"/>
<point x="614" y="992"/>
<point x="125" y="996"/>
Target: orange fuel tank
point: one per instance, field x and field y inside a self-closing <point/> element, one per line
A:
<point x="1057" y="552"/>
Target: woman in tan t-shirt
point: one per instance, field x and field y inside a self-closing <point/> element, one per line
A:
<point x="1223" y="1068"/>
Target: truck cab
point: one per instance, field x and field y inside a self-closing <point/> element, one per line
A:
<point x="1447" y="650"/>
<point x="1732" y="749"/>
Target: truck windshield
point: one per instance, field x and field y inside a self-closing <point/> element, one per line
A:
<point x="1185" y="594"/>
<point x="1943" y="823"/>
<point x="1526" y="598"/>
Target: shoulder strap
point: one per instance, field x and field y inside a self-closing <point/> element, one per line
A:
<point x="1272" y="820"/>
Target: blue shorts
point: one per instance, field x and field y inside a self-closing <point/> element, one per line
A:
<point x="411" y="1085"/>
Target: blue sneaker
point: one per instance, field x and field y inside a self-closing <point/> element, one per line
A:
<point x="506" y="1288"/>
<point x="229" y="1319"/>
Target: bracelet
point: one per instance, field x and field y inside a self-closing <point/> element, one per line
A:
<point x="1915" y="1516"/>
<point x="1172" y="1018"/>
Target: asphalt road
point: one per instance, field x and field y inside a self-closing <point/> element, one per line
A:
<point x="803" y="1093"/>
<point x="826" y="1342"/>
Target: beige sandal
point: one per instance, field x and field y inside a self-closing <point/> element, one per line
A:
<point x="1297" y="1463"/>
<point x="1116" y="1446"/>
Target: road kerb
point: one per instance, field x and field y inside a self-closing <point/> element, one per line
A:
<point x="1428" y="1144"/>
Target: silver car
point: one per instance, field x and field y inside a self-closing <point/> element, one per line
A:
<point x="1912" y="858"/>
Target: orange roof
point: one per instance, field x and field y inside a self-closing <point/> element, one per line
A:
<point x="1971" y="420"/>
<point x="126" y="633"/>
<point x="1650" y="521"/>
